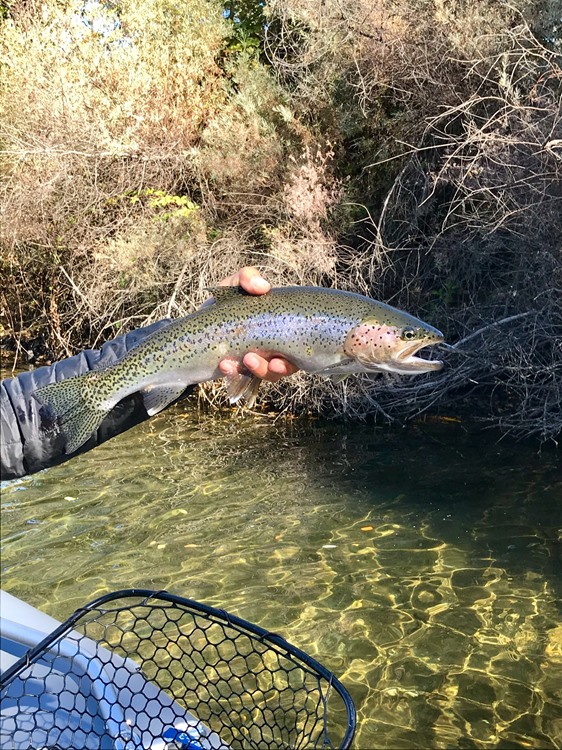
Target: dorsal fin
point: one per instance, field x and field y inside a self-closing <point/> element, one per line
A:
<point x="224" y="293"/>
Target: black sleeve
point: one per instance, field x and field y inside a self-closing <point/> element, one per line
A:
<point x="30" y="440"/>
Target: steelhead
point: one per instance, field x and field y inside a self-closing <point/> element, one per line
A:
<point x="321" y="331"/>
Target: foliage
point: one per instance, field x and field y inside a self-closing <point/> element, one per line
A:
<point x="447" y="124"/>
<point x="404" y="148"/>
<point x="248" y="22"/>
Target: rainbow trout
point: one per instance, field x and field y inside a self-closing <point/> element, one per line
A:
<point x="321" y="331"/>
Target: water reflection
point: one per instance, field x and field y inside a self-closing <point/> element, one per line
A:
<point x="422" y="566"/>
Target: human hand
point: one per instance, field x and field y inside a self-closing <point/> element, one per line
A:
<point x="272" y="369"/>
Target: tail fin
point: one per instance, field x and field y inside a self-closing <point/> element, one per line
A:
<point x="72" y="403"/>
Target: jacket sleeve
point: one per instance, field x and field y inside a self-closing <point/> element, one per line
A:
<point x="30" y="440"/>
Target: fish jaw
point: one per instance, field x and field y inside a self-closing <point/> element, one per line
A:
<point x="407" y="363"/>
<point x="392" y="348"/>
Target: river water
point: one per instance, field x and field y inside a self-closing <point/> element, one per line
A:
<point x="421" y="565"/>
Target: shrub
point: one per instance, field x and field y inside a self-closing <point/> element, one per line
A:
<point x="403" y="148"/>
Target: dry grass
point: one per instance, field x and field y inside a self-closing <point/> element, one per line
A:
<point x="408" y="150"/>
<point x="467" y="233"/>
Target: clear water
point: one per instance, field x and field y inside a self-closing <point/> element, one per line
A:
<point x="422" y="566"/>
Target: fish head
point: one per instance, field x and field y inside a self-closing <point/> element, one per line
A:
<point x="392" y="343"/>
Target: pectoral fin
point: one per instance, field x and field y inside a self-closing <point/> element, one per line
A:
<point x="157" y="397"/>
<point x="335" y="371"/>
<point x="243" y="386"/>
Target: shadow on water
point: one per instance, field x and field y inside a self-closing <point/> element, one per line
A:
<point x="423" y="566"/>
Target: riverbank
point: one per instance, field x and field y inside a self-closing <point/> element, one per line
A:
<point x="413" y="155"/>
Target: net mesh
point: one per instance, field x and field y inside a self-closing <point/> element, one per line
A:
<point x="162" y="672"/>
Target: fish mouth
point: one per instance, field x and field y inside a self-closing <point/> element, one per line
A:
<point x="406" y="360"/>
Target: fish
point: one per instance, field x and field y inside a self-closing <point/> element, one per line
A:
<point x="322" y="331"/>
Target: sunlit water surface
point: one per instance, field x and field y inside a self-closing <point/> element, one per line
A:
<point x="422" y="566"/>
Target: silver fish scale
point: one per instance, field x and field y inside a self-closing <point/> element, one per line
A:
<point x="307" y="325"/>
<point x="295" y="321"/>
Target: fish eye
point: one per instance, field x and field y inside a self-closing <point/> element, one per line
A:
<point x="408" y="333"/>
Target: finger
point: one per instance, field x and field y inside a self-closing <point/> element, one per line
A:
<point x="271" y="370"/>
<point x="258" y="366"/>
<point x="251" y="280"/>
<point x="229" y="366"/>
<point x="281" y="367"/>
<point x="233" y="280"/>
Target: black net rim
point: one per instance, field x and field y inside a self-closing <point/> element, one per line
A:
<point x="147" y="596"/>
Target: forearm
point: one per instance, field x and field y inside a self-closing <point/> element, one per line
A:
<point x="30" y="440"/>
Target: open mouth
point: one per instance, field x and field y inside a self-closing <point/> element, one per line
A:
<point x="407" y="361"/>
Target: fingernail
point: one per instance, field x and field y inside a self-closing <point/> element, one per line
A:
<point x="251" y="360"/>
<point x="277" y="366"/>
<point x="260" y="285"/>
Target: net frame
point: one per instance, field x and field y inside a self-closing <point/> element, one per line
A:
<point x="248" y="687"/>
